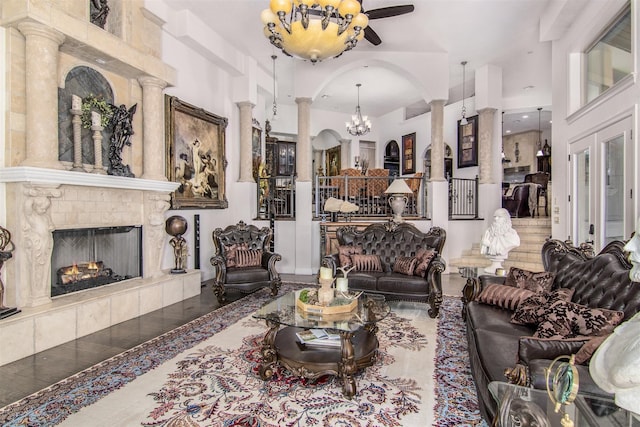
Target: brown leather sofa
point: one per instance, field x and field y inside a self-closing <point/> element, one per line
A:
<point x="244" y="278"/>
<point x="518" y="202"/>
<point x="495" y="344"/>
<point x="389" y="241"/>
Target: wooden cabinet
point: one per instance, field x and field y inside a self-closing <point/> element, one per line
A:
<point x="281" y="158"/>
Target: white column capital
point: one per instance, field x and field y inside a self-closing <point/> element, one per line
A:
<point x="244" y="104"/>
<point x="29" y="28"/>
<point x="150" y="81"/>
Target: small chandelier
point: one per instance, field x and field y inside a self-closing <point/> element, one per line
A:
<point x="463" y="120"/>
<point x="314" y="29"/>
<point x="539" y="153"/>
<point x="358" y="125"/>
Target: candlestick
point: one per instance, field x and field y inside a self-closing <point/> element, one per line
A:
<point x="96" y="119"/>
<point x="342" y="284"/>
<point x="76" y="102"/>
<point x="326" y="273"/>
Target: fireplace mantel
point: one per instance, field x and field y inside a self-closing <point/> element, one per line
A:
<point x="53" y="176"/>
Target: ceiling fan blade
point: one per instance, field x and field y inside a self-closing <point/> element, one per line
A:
<point x="386" y="12"/>
<point x="371" y="36"/>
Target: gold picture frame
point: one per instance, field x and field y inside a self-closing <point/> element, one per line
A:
<point x="195" y="155"/>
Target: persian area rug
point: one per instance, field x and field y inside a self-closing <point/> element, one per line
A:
<point x="205" y="374"/>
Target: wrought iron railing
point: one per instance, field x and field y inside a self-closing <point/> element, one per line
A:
<point x="463" y="198"/>
<point x="276" y="197"/>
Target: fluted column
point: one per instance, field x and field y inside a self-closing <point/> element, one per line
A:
<point x="41" y="58"/>
<point x="437" y="140"/>
<point x="485" y="137"/>
<point x="246" y="165"/>
<point x="303" y="147"/>
<point x="153" y="151"/>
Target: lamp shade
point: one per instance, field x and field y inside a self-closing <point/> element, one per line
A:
<point x="398" y="186"/>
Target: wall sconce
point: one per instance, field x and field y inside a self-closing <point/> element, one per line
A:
<point x="357" y="162"/>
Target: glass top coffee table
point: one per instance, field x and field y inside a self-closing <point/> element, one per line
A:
<point x="356" y="328"/>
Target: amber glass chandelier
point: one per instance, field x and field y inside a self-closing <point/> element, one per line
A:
<point x="314" y="29"/>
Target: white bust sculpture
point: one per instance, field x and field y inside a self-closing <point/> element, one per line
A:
<point x="499" y="239"/>
<point x="615" y="365"/>
<point x="633" y="247"/>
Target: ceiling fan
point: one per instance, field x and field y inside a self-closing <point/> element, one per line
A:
<point x="384" y="12"/>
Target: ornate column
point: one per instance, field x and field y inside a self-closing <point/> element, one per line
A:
<point x="41" y="53"/>
<point x="246" y="164"/>
<point x="153" y="128"/>
<point x="485" y="137"/>
<point x="437" y="140"/>
<point x="303" y="147"/>
<point x="38" y="241"/>
<point x="155" y="206"/>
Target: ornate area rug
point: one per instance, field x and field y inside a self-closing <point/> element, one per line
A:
<point x="205" y="374"/>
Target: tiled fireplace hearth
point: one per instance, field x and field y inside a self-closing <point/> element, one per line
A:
<point x="40" y="201"/>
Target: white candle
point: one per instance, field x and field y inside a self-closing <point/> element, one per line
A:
<point x="326" y="273"/>
<point x="76" y="102"/>
<point x="342" y="284"/>
<point x="96" y="119"/>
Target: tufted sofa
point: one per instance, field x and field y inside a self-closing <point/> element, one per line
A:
<point x="389" y="241"/>
<point x="498" y="347"/>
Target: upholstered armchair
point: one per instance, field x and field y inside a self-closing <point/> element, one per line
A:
<point x="243" y="260"/>
<point x="517" y="203"/>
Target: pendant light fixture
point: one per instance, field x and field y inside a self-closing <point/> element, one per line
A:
<point x="358" y="125"/>
<point x="539" y="153"/>
<point x="463" y="120"/>
<point x="274" y="107"/>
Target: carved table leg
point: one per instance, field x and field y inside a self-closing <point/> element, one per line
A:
<point x="268" y="351"/>
<point x="347" y="366"/>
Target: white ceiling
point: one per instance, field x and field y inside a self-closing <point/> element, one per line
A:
<point x="504" y="33"/>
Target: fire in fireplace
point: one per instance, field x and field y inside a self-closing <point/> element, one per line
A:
<point x="90" y="257"/>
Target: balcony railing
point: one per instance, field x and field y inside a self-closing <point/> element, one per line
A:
<point x="277" y="197"/>
<point x="463" y="198"/>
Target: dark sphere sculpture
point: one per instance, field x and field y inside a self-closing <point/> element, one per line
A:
<point x="176" y="226"/>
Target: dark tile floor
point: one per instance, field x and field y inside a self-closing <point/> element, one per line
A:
<point x="26" y="376"/>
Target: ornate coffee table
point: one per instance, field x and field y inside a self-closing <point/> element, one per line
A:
<point x="358" y="341"/>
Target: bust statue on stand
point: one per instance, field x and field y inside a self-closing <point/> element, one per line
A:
<point x="498" y="240"/>
<point x="6" y="252"/>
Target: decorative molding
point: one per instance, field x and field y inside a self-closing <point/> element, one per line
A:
<point x="52" y="176"/>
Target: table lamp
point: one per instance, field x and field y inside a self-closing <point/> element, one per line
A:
<point x="398" y="191"/>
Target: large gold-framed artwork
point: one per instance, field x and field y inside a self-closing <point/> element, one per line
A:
<point x="195" y="155"/>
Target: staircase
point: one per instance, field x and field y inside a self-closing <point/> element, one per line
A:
<point x="532" y="231"/>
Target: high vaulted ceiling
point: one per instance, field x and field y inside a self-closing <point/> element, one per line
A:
<point x="504" y="33"/>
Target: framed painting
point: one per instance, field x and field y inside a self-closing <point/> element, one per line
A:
<point x="408" y="147"/>
<point x="468" y="143"/>
<point x="256" y="140"/>
<point x="195" y="155"/>
<point x="333" y="161"/>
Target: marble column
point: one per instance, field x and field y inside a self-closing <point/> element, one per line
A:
<point x="246" y="158"/>
<point x="303" y="147"/>
<point x="155" y="236"/>
<point x="485" y="138"/>
<point x="437" y="140"/>
<point x="41" y="58"/>
<point x="153" y="150"/>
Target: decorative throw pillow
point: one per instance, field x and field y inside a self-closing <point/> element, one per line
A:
<point x="531" y="310"/>
<point x="367" y="262"/>
<point x="405" y="265"/>
<point x="503" y="296"/>
<point x="345" y="252"/>
<point x="230" y="253"/>
<point x="424" y="257"/>
<point x="249" y="257"/>
<point x="531" y="348"/>
<point x="586" y="351"/>
<point x="536" y="282"/>
<point x="565" y="319"/>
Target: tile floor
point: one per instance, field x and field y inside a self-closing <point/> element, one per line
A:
<point x="23" y="377"/>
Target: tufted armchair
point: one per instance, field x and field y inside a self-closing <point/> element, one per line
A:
<point x="392" y="243"/>
<point x="517" y="203"/>
<point x="243" y="261"/>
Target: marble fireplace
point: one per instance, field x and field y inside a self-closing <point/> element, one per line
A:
<point x="45" y="40"/>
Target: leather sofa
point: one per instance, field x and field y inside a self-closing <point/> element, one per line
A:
<point x="390" y="241"/>
<point x="517" y="203"/>
<point x="500" y="350"/>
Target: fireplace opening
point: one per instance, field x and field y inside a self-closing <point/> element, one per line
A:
<point x="86" y="258"/>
